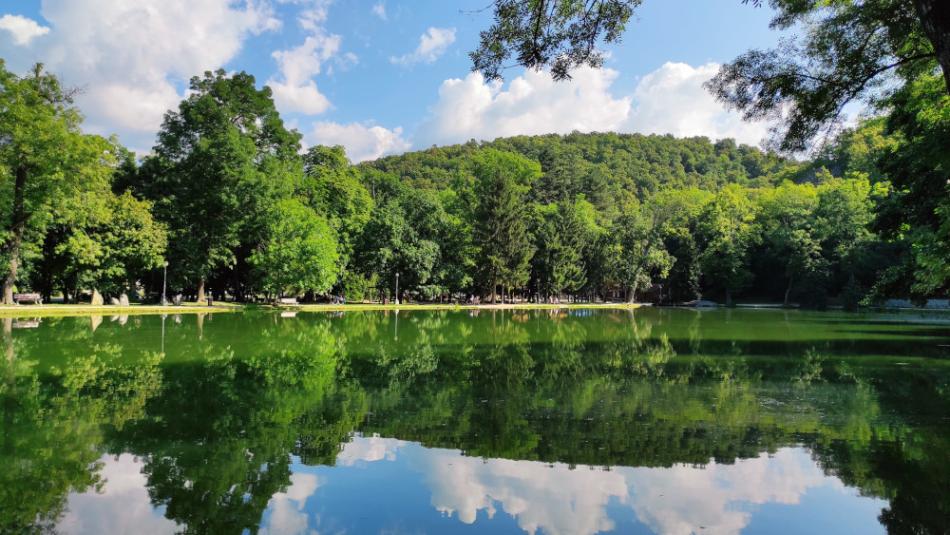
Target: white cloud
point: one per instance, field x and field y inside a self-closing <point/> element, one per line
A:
<point x="297" y="91"/>
<point x="286" y="509"/>
<point x="122" y="506"/>
<point x="379" y="9"/>
<point x="680" y="499"/>
<point x="131" y="58"/>
<point x="672" y="100"/>
<point x="362" y="141"/>
<point x="532" y="104"/>
<point x="432" y="44"/>
<point x="669" y="100"/>
<point x="549" y="499"/>
<point x="718" y="499"/>
<point x="369" y="449"/>
<point x="22" y="29"/>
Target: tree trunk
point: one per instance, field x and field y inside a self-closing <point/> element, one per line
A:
<point x="728" y="297"/>
<point x="201" y="290"/>
<point x="11" y="248"/>
<point x="788" y="291"/>
<point x="935" y="20"/>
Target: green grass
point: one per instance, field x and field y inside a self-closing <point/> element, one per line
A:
<point x="56" y="309"/>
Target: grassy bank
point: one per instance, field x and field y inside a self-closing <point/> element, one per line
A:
<point x="36" y="311"/>
<point x="42" y="311"/>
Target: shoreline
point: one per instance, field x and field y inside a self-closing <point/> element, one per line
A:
<point x="53" y="310"/>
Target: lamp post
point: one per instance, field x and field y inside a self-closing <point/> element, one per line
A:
<point x="397" y="287"/>
<point x="164" y="280"/>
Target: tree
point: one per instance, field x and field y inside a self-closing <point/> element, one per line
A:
<point x="559" y="236"/>
<point x="501" y="229"/>
<point x="399" y="241"/>
<point x="727" y="228"/>
<point x="851" y="51"/>
<point x="42" y="155"/>
<point x="642" y="255"/>
<point x="560" y="34"/>
<point x="331" y="186"/>
<point x="917" y="166"/>
<point x="788" y="220"/>
<point x="300" y="252"/>
<point x="222" y="161"/>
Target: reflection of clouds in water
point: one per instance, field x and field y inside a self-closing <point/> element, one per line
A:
<point x="556" y="499"/>
<point x="368" y="449"/>
<point x="123" y="506"/>
<point x="680" y="499"/>
<point x="286" y="509"/>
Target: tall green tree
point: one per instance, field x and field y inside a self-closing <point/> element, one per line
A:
<point x="558" y="262"/>
<point x="43" y="155"/>
<point x="501" y="219"/>
<point x="299" y="253"/>
<point x="788" y="225"/>
<point x="332" y="187"/>
<point x="223" y="159"/>
<point x="642" y="254"/>
<point x="727" y="226"/>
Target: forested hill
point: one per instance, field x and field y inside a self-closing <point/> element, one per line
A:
<point x="602" y="166"/>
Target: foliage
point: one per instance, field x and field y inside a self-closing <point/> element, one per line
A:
<point x="560" y="34"/>
<point x="501" y="230"/>
<point x="850" y="50"/>
<point x="299" y="253"/>
<point x="222" y="160"/>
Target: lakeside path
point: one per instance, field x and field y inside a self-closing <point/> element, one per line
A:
<point x="36" y="311"/>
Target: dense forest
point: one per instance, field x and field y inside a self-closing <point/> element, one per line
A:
<point x="230" y="202"/>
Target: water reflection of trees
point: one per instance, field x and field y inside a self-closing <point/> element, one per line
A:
<point x="217" y="418"/>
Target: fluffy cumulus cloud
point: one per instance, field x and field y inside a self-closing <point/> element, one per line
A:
<point x="669" y="100"/>
<point x="122" y="505"/>
<point x="131" y="58"/>
<point x="21" y="29"/>
<point x="715" y="499"/>
<point x="360" y="450"/>
<point x="362" y="141"/>
<point x="672" y="100"/>
<point x="543" y="498"/>
<point x="286" y="512"/>
<point x="531" y="104"/>
<point x="295" y="90"/>
<point x="432" y="44"/>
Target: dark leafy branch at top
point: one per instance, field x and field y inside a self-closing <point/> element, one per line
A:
<point x="555" y="34"/>
<point x="849" y="51"/>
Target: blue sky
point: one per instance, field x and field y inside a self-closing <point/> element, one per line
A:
<point x="384" y="76"/>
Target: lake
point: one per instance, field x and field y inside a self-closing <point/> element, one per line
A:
<point x="574" y="421"/>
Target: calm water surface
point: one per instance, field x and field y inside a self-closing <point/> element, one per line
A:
<point x="651" y="421"/>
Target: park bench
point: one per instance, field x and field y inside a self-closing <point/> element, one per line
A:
<point x="34" y="298"/>
<point x="287" y="301"/>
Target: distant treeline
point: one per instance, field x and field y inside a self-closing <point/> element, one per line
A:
<point x="234" y="206"/>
